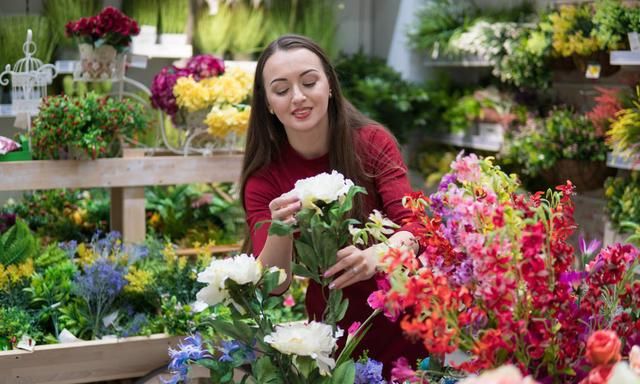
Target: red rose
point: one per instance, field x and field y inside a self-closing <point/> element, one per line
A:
<point x="603" y="347"/>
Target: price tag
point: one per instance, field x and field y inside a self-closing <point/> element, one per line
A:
<point x="593" y="71"/>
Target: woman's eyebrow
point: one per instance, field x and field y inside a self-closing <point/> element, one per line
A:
<point x="302" y="74"/>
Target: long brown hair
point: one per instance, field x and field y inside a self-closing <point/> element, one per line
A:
<point x="266" y="135"/>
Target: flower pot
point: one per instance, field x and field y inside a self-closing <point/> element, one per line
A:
<point x="173" y="39"/>
<point x="585" y="175"/>
<point x="147" y="36"/>
<point x="99" y="63"/>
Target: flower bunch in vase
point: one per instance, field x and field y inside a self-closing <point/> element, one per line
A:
<point x="205" y="97"/>
<point x="498" y="279"/>
<point x="102" y="39"/>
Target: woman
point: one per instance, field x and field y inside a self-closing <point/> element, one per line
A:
<point x="300" y="126"/>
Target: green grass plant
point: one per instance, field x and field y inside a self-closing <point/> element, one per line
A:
<point x="13" y="33"/>
<point x="318" y="20"/>
<point x="60" y="12"/>
<point x="213" y="31"/>
<point x="248" y="31"/>
<point x="144" y="12"/>
<point x="173" y="16"/>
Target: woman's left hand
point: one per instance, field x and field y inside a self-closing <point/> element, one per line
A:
<point x="355" y="264"/>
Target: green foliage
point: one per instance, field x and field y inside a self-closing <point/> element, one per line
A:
<point x="62" y="214"/>
<point x="91" y="125"/>
<point x="318" y="20"/>
<point x="173" y="16"/>
<point x="144" y="12"/>
<point x="213" y="31"/>
<point x="17" y="244"/>
<point x="612" y="21"/>
<point x="14" y="323"/>
<point x="562" y="135"/>
<point x="80" y="88"/>
<point x="379" y="92"/>
<point x="623" y="201"/>
<point x="13" y="34"/>
<point x="60" y="12"/>
<point x="461" y="114"/>
<point x="438" y="21"/>
<point x="50" y="289"/>
<point x="248" y="29"/>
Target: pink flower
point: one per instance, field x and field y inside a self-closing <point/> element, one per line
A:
<point x="203" y="66"/>
<point x="353" y="328"/>
<point x="402" y="372"/>
<point x="467" y="168"/>
<point x="603" y="347"/>
<point x="289" y="301"/>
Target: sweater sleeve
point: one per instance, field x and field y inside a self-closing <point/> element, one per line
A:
<point x="258" y="194"/>
<point x="390" y="177"/>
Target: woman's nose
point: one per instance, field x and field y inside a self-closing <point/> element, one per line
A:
<point x="298" y="95"/>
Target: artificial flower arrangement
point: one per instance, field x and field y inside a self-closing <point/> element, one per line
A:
<point x="109" y="27"/>
<point x="623" y="135"/>
<point x="205" y="94"/>
<point x="84" y="127"/>
<point x="102" y="40"/>
<point x="255" y="348"/>
<point x="498" y="280"/>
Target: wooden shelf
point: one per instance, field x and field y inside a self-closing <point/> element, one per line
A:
<point x="471" y="62"/>
<point x="621" y="162"/>
<point x="118" y="172"/>
<point x="86" y="361"/>
<point x="467" y="141"/>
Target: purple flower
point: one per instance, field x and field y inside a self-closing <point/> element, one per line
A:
<point x="588" y="249"/>
<point x="233" y="347"/>
<point x="69" y="247"/>
<point x="203" y="66"/>
<point x="139" y="320"/>
<point x="191" y="350"/>
<point x="162" y="89"/>
<point x="99" y="286"/>
<point x="369" y="372"/>
<point x="445" y="181"/>
<point x="464" y="273"/>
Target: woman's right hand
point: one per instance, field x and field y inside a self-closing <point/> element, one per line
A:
<point x="284" y="208"/>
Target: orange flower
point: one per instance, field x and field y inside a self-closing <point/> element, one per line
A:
<point x="603" y="347"/>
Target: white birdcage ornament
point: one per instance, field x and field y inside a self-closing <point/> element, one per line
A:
<point x="29" y="79"/>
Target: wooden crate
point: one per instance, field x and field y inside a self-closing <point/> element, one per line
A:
<point x="87" y="361"/>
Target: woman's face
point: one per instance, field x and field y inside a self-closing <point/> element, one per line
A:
<point x="297" y="90"/>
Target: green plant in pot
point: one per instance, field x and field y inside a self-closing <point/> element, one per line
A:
<point x="563" y="146"/>
<point x="88" y="127"/>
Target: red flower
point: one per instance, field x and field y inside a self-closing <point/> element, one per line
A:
<point x="598" y="375"/>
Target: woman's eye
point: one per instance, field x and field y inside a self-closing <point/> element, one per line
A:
<point x="281" y="92"/>
<point x="309" y="85"/>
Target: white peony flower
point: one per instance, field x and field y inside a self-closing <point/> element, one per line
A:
<point x="506" y="374"/>
<point x="323" y="187"/>
<point x="242" y="269"/>
<point x="623" y="374"/>
<point x="313" y="339"/>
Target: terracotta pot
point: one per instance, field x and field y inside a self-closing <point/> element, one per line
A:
<point x="585" y="175"/>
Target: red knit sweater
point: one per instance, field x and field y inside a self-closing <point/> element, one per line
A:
<point x="382" y="159"/>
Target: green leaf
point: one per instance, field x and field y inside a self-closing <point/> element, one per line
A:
<point x="344" y="373"/>
<point x="301" y="270"/>
<point x="306" y="255"/>
<point x="265" y="372"/>
<point x="280" y="228"/>
<point x="269" y="282"/>
<point x="236" y="330"/>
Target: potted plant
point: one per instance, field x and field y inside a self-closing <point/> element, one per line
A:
<point x="102" y="39"/>
<point x="173" y="22"/>
<point x="83" y="128"/>
<point x="563" y="146"/>
<point x="623" y="135"/>
<point x="146" y="13"/>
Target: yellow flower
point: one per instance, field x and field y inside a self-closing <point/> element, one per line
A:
<point x="85" y="255"/>
<point x="139" y="280"/>
<point x="222" y="121"/>
<point x="191" y="94"/>
<point x="79" y="216"/>
<point x="154" y="220"/>
<point x="14" y="273"/>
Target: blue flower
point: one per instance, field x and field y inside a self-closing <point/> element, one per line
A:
<point x="69" y="247"/>
<point x="233" y="347"/>
<point x="191" y="350"/>
<point x="369" y="372"/>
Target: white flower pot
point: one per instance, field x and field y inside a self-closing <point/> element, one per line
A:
<point x="101" y="63"/>
<point x="173" y="39"/>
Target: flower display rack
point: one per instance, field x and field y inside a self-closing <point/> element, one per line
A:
<point x="126" y="177"/>
<point x="86" y="361"/>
